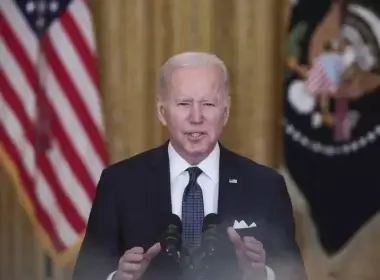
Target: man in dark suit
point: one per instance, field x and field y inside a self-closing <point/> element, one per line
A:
<point x="192" y="175"/>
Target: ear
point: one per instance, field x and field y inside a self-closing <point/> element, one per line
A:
<point x="227" y="110"/>
<point x="160" y="110"/>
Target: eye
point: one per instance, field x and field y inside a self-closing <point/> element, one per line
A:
<point x="209" y="104"/>
<point x="183" y="103"/>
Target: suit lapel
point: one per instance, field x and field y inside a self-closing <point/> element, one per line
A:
<point x="161" y="183"/>
<point x="230" y="184"/>
<point x="230" y="191"/>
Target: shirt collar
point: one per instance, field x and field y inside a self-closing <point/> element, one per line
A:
<point x="210" y="165"/>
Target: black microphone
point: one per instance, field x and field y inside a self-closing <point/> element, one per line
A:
<point x="171" y="240"/>
<point x="210" y="238"/>
<point x="210" y="233"/>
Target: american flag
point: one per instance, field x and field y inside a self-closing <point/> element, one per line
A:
<point x="324" y="78"/>
<point x="325" y="74"/>
<point x="51" y="126"/>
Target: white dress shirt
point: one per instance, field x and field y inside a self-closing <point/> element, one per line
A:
<point x="208" y="180"/>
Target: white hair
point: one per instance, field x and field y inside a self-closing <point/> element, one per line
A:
<point x="191" y="59"/>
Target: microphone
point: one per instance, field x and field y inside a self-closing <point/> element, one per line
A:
<point x="210" y="234"/>
<point x="171" y="240"/>
<point x="210" y="238"/>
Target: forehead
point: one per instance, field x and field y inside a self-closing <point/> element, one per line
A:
<point x="196" y="79"/>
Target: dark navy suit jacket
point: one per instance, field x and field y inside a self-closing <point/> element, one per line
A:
<point x="132" y="208"/>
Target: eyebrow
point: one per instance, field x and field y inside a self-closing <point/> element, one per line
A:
<point x="184" y="99"/>
<point x="192" y="99"/>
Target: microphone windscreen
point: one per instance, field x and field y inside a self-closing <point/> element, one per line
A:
<point x="211" y="221"/>
<point x="176" y="222"/>
<point x="171" y="239"/>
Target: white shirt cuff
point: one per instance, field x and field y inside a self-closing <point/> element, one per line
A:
<point x="270" y="273"/>
<point x="113" y="273"/>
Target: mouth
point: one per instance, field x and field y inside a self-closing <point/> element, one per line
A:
<point x="195" y="135"/>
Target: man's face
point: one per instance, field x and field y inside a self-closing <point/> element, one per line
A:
<point x="195" y="109"/>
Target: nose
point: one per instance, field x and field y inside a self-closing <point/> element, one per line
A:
<point x="196" y="114"/>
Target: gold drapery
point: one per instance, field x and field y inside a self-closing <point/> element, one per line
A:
<point x="134" y="37"/>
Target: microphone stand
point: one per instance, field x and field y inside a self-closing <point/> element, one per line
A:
<point x="203" y="265"/>
<point x="194" y="265"/>
<point x="186" y="265"/>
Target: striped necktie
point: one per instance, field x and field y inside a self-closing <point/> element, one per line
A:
<point x="192" y="210"/>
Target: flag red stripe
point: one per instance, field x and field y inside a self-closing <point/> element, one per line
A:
<point x="64" y="203"/>
<point x="74" y="98"/>
<point x="20" y="55"/>
<point x="87" y="57"/>
<point x="69" y="152"/>
<point x="11" y="98"/>
<point x="76" y="164"/>
<point x="28" y="184"/>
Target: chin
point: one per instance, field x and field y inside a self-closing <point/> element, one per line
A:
<point x="199" y="148"/>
